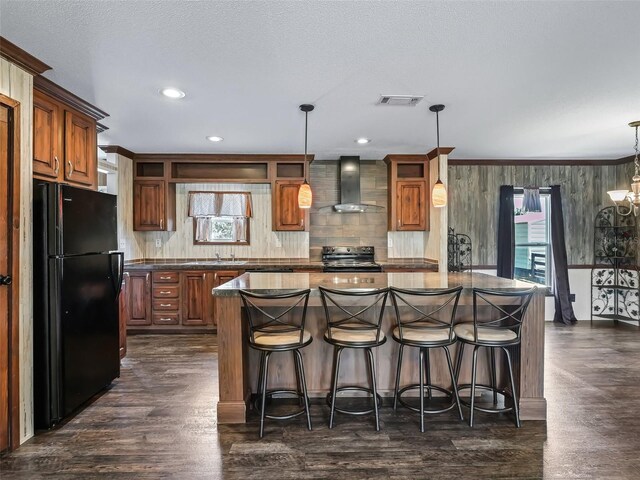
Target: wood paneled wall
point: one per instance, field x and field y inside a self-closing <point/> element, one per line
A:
<point x="18" y="85"/>
<point x="133" y="243"/>
<point x="473" y="201"/>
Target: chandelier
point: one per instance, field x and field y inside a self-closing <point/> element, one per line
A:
<point x="633" y="196"/>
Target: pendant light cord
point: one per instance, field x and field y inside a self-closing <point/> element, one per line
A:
<point x="635" y="160"/>
<point x="438" y="140"/>
<point x="306" y="126"/>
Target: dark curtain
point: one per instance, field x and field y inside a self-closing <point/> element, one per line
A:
<point x="564" y="309"/>
<point x="506" y="233"/>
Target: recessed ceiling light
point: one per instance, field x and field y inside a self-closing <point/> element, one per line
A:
<point x="214" y="138"/>
<point x="363" y="141"/>
<point x="171" y="92"/>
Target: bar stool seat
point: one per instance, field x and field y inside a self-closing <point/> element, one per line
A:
<point x="353" y="335"/>
<point x="421" y="332"/>
<point x="281" y="339"/>
<point x="276" y="325"/>
<point x="465" y="331"/>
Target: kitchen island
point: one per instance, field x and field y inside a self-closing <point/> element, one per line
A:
<point x="237" y="363"/>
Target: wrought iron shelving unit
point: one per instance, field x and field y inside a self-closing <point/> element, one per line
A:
<point x="615" y="278"/>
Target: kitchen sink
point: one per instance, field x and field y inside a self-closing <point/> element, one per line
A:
<point x="217" y="262"/>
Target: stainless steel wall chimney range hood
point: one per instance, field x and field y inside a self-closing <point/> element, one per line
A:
<point x="350" y="188"/>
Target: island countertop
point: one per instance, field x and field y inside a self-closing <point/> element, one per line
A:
<point x="277" y="282"/>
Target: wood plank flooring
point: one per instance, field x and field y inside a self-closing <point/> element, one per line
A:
<point x="159" y="421"/>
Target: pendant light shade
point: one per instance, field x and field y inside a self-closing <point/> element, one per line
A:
<point x="439" y="192"/>
<point x="439" y="195"/>
<point x="305" y="196"/>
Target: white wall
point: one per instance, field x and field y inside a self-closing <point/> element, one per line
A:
<point x="580" y="283"/>
<point x="18" y="85"/>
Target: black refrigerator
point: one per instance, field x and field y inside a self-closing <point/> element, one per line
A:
<point x="77" y="278"/>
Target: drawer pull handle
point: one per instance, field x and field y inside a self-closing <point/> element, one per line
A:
<point x="165" y="278"/>
<point x="165" y="319"/>
<point x="165" y="293"/>
<point x="165" y="304"/>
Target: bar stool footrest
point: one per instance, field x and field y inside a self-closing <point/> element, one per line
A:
<point x="416" y="386"/>
<point x="270" y="393"/>
<point x="358" y="389"/>
<point x="503" y="393"/>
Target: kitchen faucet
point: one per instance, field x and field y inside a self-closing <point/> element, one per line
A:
<point x="217" y="257"/>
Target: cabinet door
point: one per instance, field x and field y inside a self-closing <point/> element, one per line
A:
<point x="139" y="299"/>
<point x="221" y="277"/>
<point x="46" y="136"/>
<point x="122" y="311"/>
<point x="148" y="205"/>
<point x="286" y="213"/>
<point x="197" y="306"/>
<point x="411" y="205"/>
<point x="80" y="150"/>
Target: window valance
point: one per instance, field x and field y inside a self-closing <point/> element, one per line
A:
<point x="220" y="204"/>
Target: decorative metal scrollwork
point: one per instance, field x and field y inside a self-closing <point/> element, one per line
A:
<point x="459" y="252"/>
<point x="615" y="280"/>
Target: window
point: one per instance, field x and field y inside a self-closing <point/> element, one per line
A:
<point x="220" y="217"/>
<point x="532" y="241"/>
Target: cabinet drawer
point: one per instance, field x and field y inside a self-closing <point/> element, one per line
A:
<point x="166" y="291"/>
<point x="165" y="277"/>
<point x="166" y="304"/>
<point x="168" y="318"/>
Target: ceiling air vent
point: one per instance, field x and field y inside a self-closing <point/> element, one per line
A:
<point x="401" y="100"/>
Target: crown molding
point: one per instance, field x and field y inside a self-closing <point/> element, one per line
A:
<point x="549" y="163"/>
<point x="54" y="90"/>
<point x="443" y="151"/>
<point x="22" y="59"/>
<point x="117" y="149"/>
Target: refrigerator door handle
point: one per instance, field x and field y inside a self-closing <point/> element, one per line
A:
<point x="118" y="286"/>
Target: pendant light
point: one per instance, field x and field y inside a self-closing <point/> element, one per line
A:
<point x="439" y="192"/>
<point x="304" y="193"/>
<point x="631" y="198"/>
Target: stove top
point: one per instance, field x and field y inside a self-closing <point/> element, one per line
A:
<point x="349" y="259"/>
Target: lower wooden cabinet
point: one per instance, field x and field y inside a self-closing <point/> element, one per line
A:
<point x="197" y="301"/>
<point x="172" y="300"/>
<point x="138" y="298"/>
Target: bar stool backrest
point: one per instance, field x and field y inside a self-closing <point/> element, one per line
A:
<point x="428" y="310"/>
<point x="354" y="310"/>
<point x="500" y="310"/>
<point x="276" y="313"/>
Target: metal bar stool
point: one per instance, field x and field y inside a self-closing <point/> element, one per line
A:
<point x="274" y="328"/>
<point x="425" y="321"/>
<point x="502" y="329"/>
<point x="354" y="320"/>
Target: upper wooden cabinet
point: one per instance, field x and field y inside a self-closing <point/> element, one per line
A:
<point x="154" y="205"/>
<point x="411" y="201"/>
<point x="46" y="136"/>
<point x="287" y="215"/>
<point x="80" y="149"/>
<point x="64" y="138"/>
<point x="408" y="192"/>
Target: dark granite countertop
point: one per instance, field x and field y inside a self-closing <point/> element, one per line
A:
<point x="277" y="282"/>
<point x="258" y="263"/>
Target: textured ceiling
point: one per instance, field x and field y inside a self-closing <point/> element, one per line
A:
<point x="519" y="79"/>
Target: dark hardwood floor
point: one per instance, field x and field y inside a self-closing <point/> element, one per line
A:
<point x="159" y="421"/>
